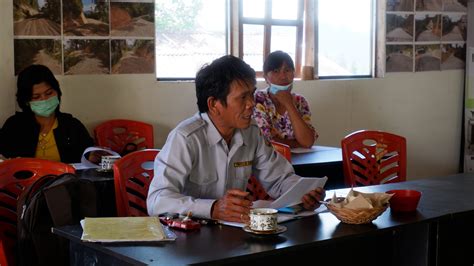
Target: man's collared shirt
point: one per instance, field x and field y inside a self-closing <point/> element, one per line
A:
<point x="196" y="167"/>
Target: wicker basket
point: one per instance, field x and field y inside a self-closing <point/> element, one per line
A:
<point x="359" y="216"/>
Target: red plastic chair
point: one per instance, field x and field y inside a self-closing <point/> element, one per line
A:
<point x="132" y="177"/>
<point x="3" y="255"/>
<point x="373" y="157"/>
<point x="257" y="192"/>
<point x="15" y="177"/>
<point x="283" y="149"/>
<point x="117" y="134"/>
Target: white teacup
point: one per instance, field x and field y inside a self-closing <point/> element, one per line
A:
<point x="263" y="219"/>
<point x="107" y="162"/>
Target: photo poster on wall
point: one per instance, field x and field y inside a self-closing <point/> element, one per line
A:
<point x="469" y="114"/>
<point x="74" y="37"/>
<point x="425" y="35"/>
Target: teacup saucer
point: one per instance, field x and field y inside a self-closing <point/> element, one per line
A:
<point x="280" y="229"/>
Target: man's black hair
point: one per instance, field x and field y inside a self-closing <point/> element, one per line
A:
<point x="213" y="80"/>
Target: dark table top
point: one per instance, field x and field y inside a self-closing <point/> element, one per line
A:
<point x="222" y="244"/>
<point x="95" y="175"/>
<point x="321" y="155"/>
<point x="104" y="186"/>
<point x="323" y="161"/>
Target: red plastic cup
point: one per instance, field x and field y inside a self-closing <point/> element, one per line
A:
<point x="404" y="200"/>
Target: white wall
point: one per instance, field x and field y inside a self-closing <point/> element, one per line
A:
<point x="424" y="107"/>
<point x="7" y="82"/>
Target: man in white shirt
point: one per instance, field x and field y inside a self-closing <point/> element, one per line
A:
<point x="207" y="159"/>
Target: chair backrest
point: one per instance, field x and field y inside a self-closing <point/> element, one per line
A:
<point x="15" y="176"/>
<point x="283" y="149"/>
<point x="373" y="157"/>
<point x="118" y="134"/>
<point x="132" y="177"/>
<point x="257" y="192"/>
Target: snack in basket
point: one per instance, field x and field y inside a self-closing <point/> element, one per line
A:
<point x="358" y="207"/>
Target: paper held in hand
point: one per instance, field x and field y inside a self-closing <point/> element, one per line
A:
<point x="290" y="198"/>
<point x="293" y="195"/>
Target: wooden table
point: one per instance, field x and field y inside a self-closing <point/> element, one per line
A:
<point x="425" y="237"/>
<point x="324" y="161"/>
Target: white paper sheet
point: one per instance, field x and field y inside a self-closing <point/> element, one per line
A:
<point x="283" y="217"/>
<point x="293" y="195"/>
<point x="289" y="198"/>
<point x="86" y="164"/>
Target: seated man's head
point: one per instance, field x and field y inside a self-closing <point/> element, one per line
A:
<point x="224" y="90"/>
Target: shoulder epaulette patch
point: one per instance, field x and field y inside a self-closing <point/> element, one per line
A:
<point x="188" y="129"/>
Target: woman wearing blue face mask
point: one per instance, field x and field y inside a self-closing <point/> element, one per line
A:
<point x="283" y="116"/>
<point x="41" y="130"/>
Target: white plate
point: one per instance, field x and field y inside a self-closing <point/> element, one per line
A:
<point x="280" y="229"/>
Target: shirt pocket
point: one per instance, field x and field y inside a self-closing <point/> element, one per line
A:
<point x="202" y="186"/>
<point x="242" y="175"/>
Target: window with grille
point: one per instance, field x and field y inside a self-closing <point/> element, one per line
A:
<point x="331" y="38"/>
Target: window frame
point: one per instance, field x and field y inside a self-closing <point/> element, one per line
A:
<point x="267" y="22"/>
<point x="377" y="44"/>
<point x="306" y="47"/>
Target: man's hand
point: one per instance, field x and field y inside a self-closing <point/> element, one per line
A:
<point x="312" y="198"/>
<point x="233" y="207"/>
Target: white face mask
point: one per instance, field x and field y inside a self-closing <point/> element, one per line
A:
<point x="276" y="88"/>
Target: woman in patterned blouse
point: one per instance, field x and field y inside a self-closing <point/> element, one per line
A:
<point x="283" y="116"/>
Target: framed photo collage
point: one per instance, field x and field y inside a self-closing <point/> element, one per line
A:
<point x="425" y="35"/>
<point x="85" y="36"/>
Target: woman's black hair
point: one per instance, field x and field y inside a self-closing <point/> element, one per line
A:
<point x="275" y="60"/>
<point x="30" y="76"/>
<point x="214" y="80"/>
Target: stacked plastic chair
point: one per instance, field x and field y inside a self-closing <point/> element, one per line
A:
<point x="3" y="255"/>
<point x="123" y="136"/>
<point x="15" y="177"/>
<point x="132" y="177"/>
<point x="373" y="157"/>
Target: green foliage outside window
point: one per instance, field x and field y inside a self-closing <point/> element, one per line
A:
<point x="176" y="15"/>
